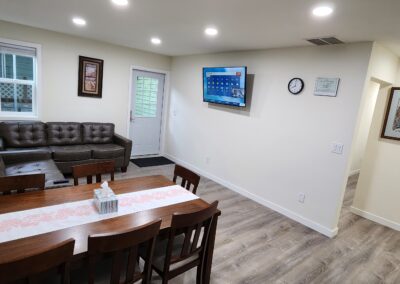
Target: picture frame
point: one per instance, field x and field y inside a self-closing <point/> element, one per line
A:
<point x="90" y="77"/>
<point x="327" y="87"/>
<point x="391" y="124"/>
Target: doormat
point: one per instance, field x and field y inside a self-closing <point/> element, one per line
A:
<point x="151" y="162"/>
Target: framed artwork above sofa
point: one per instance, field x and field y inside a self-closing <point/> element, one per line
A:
<point x="90" y="80"/>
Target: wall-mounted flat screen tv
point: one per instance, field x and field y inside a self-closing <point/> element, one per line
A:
<point x="225" y="85"/>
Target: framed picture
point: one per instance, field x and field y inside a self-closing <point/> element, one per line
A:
<point x="90" y="80"/>
<point x="326" y="87"/>
<point x="391" y="125"/>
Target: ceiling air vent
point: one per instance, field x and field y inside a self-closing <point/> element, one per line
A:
<point x="325" y="41"/>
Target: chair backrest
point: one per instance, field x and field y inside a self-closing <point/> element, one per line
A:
<point x="93" y="169"/>
<point x="195" y="227"/>
<point x="117" y="244"/>
<point x="21" y="183"/>
<point x="55" y="256"/>
<point x="188" y="178"/>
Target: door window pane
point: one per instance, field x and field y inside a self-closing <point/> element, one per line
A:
<point x="24" y="67"/>
<point x="146" y="97"/>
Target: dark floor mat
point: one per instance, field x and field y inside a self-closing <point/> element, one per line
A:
<point x="151" y="162"/>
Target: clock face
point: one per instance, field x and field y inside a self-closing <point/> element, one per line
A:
<point x="295" y="86"/>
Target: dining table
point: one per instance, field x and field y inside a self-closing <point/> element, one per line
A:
<point x="19" y="248"/>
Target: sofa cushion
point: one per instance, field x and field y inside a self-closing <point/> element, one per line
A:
<point x="21" y="134"/>
<point x="64" y="133"/>
<point x="71" y="153"/>
<point x="106" y="151"/>
<point x="20" y="155"/>
<point x="2" y="168"/>
<point x="97" y="133"/>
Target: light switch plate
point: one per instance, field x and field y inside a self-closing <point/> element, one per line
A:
<point x="337" y="148"/>
<point x="301" y="197"/>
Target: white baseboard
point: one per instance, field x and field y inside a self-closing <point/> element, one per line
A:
<point x="354" y="172"/>
<point x="375" y="218"/>
<point x="284" y="211"/>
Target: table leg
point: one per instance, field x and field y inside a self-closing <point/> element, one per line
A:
<point x="210" y="251"/>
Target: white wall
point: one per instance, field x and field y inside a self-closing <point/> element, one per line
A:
<point x="60" y="52"/>
<point x="382" y="70"/>
<point x="281" y="145"/>
<point x="362" y="131"/>
<point x="377" y="194"/>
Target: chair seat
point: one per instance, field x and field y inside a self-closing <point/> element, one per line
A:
<point x="160" y="251"/>
<point x="106" y="151"/>
<point x="71" y="153"/>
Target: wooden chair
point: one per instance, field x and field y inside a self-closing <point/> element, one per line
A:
<point x="181" y="252"/>
<point x="188" y="178"/>
<point x="118" y="243"/>
<point x="21" y="183"/>
<point x="94" y="169"/>
<point x="36" y="265"/>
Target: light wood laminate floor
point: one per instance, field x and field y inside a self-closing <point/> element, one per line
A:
<point x="257" y="245"/>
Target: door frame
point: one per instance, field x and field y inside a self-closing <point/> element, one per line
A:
<point x="165" y="104"/>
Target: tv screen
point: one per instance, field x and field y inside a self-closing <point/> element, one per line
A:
<point x="225" y="85"/>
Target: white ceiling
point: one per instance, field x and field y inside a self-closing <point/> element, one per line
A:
<point x="243" y="24"/>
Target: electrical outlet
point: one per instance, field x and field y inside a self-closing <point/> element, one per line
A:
<point x="337" y="148"/>
<point x="302" y="197"/>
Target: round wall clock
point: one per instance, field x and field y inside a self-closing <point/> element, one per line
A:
<point x="296" y="86"/>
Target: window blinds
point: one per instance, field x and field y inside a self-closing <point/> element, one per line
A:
<point x="17" y="49"/>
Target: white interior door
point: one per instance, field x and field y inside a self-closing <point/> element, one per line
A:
<point x="146" y="112"/>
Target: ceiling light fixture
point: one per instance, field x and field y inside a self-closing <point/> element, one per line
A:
<point x="120" y="2"/>
<point x="322" y="11"/>
<point x="79" y="22"/>
<point x="155" y="40"/>
<point x="211" y="31"/>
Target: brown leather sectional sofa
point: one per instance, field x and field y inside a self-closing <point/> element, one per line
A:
<point x="28" y="147"/>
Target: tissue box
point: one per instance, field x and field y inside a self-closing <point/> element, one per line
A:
<point x="105" y="200"/>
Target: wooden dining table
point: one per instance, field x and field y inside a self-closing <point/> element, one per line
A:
<point x="16" y="249"/>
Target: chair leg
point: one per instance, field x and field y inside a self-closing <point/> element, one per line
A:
<point x="199" y="274"/>
<point x="124" y="169"/>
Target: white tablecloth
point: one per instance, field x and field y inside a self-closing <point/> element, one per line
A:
<point x="21" y="224"/>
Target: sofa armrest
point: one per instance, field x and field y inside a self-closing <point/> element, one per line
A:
<point x="1" y="144"/>
<point x="127" y="144"/>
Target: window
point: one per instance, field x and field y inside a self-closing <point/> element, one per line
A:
<point x="18" y="80"/>
<point x="146" y="97"/>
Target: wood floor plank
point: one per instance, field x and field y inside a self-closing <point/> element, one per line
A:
<point x="255" y="244"/>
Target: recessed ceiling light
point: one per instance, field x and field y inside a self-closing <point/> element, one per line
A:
<point x="120" y="2"/>
<point x="155" y="40"/>
<point x="322" y="11"/>
<point x="211" y="31"/>
<point x="79" y="21"/>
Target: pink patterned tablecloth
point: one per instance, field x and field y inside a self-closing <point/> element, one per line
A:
<point x="22" y="224"/>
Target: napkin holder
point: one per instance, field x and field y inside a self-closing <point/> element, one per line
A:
<point x="105" y="200"/>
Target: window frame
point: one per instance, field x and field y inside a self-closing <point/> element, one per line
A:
<point x="36" y="83"/>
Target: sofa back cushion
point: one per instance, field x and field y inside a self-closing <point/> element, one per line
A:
<point x="23" y="134"/>
<point x="97" y="133"/>
<point x="64" y="133"/>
